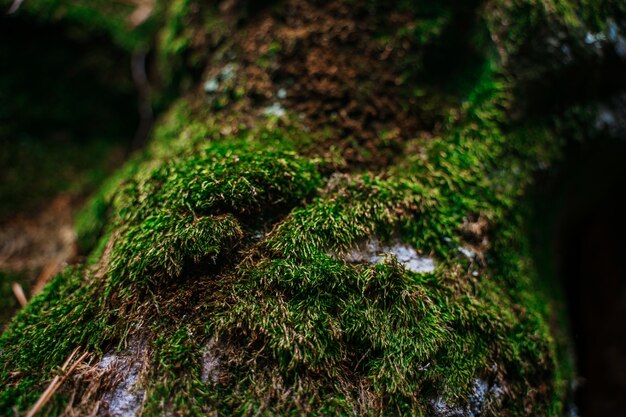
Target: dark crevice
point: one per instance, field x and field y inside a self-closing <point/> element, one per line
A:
<point x="144" y="105"/>
<point x="577" y="76"/>
<point x="56" y="81"/>
<point x="583" y="230"/>
<point x="72" y="105"/>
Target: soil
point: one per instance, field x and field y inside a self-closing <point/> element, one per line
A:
<point x="40" y="244"/>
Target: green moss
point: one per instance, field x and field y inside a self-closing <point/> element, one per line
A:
<point x="230" y="246"/>
<point x="401" y="332"/>
<point x="31" y="354"/>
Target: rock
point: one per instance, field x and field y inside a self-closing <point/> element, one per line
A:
<point x="374" y="252"/>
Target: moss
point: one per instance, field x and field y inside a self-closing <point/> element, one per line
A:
<point x="227" y="246"/>
<point x="31" y="354"/>
<point x="401" y="332"/>
<point x="364" y="318"/>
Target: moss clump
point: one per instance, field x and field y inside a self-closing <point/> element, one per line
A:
<point x="225" y="250"/>
<point x="68" y="324"/>
<point x="183" y="200"/>
<point x="312" y="316"/>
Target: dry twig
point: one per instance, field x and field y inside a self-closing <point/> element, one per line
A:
<point x="56" y="382"/>
<point x="19" y="293"/>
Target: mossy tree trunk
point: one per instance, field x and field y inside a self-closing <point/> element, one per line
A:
<point x="328" y="217"/>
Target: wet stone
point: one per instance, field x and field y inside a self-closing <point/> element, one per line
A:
<point x="373" y="251"/>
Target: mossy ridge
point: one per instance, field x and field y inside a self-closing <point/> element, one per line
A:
<point x="477" y="147"/>
<point x="120" y="193"/>
<point x="296" y="272"/>
<point x="177" y="129"/>
<point x="199" y="200"/>
<point x="439" y="317"/>
<point x="286" y="269"/>
<point x="189" y="140"/>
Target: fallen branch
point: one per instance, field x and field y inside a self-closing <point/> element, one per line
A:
<point x="15" y="6"/>
<point x="19" y="293"/>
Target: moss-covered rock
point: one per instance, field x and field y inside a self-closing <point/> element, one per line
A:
<point x="221" y="277"/>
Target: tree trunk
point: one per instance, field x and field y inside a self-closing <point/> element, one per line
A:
<point x="332" y="215"/>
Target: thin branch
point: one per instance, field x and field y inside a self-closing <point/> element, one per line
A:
<point x="15" y="6"/>
<point x="56" y="383"/>
<point x="19" y="293"/>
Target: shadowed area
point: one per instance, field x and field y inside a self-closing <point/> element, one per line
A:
<point x="593" y="249"/>
<point x="68" y="111"/>
<point x="583" y="208"/>
<point x="68" y="105"/>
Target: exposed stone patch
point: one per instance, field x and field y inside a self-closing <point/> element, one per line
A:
<point x="373" y="251"/>
<point x="611" y="116"/>
<point x="224" y="77"/>
<point x="571" y="409"/>
<point x="211" y="86"/>
<point x="559" y="47"/>
<point x="210" y="363"/>
<point x="482" y="392"/>
<point x="126" y="397"/>
<point x="468" y="253"/>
